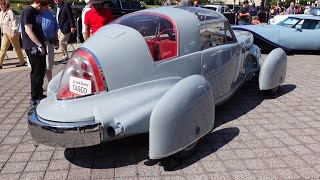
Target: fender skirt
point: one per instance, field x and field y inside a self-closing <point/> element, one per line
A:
<point x="273" y="70"/>
<point x="183" y="115"/>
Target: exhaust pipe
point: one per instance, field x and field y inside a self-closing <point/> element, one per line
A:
<point x="116" y="130"/>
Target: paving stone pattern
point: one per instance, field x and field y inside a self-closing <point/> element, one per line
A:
<point x="254" y="138"/>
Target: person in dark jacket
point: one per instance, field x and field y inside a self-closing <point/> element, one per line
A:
<point x="65" y="19"/>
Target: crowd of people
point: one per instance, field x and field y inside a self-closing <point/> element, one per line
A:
<point x="248" y="14"/>
<point x="43" y="30"/>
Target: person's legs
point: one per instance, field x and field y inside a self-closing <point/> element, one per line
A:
<point x="16" y="44"/>
<point x="5" y="43"/>
<point x="49" y="60"/>
<point x="242" y="23"/>
<point x="63" y="40"/>
<point x="38" y="69"/>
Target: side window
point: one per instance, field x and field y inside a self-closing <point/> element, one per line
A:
<point x="125" y="4"/>
<point x="112" y="3"/>
<point x="227" y="9"/>
<point x="230" y="37"/>
<point x="222" y="9"/>
<point x="310" y="24"/>
<point x="212" y="34"/>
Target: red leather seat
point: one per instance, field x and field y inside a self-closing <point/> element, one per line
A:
<point x="151" y="43"/>
<point x="167" y="49"/>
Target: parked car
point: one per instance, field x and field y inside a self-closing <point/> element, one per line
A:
<point x="296" y="32"/>
<point x="118" y="8"/>
<point x="160" y="71"/>
<point x="223" y="9"/>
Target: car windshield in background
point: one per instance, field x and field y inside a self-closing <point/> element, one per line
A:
<point x="130" y="4"/>
<point x="289" y="22"/>
<point x="314" y="11"/>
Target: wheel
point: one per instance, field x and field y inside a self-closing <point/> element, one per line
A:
<point x="271" y="92"/>
<point x="171" y="162"/>
<point x="187" y="152"/>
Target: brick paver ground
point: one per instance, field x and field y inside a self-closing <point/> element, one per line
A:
<point x="254" y="138"/>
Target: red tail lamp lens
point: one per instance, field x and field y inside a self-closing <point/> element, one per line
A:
<point x="84" y="66"/>
<point x="82" y="76"/>
<point x="86" y="75"/>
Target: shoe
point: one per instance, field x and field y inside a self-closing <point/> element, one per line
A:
<point x="42" y="96"/>
<point x="1" y="67"/>
<point x="20" y="65"/>
<point x="34" y="102"/>
<point x="64" y="61"/>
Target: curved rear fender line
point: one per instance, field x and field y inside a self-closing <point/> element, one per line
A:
<point x="273" y="70"/>
<point x="132" y="106"/>
<point x="53" y="84"/>
<point x="183" y="115"/>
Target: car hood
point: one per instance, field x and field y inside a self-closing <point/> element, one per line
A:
<point x="268" y="33"/>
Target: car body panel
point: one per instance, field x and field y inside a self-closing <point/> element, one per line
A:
<point x="174" y="125"/>
<point x="141" y="93"/>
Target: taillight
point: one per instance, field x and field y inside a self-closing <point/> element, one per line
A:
<point x="81" y="77"/>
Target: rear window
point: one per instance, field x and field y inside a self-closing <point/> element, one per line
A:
<point x="158" y="32"/>
<point x="130" y="4"/>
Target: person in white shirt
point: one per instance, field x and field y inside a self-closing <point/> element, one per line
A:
<point x="85" y="9"/>
<point x="9" y="26"/>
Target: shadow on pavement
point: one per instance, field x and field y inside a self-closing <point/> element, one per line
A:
<point x="246" y="99"/>
<point x="133" y="150"/>
<point x="117" y="153"/>
<point x="220" y="137"/>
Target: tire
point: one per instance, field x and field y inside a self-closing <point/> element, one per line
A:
<point x="172" y="162"/>
<point x="271" y="92"/>
<point x="187" y="152"/>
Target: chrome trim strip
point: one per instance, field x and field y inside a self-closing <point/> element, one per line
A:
<point x="68" y="135"/>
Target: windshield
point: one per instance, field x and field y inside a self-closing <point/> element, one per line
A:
<point x="313" y="11"/>
<point x="289" y="22"/>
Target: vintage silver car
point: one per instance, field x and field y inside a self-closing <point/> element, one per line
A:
<point x="160" y="71"/>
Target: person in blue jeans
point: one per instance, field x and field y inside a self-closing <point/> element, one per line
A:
<point x="50" y="30"/>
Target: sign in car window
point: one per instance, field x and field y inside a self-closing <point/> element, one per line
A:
<point x="79" y="85"/>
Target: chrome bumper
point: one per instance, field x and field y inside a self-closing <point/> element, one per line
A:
<point x="68" y="135"/>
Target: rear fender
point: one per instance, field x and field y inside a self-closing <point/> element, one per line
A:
<point x="183" y="115"/>
<point x="273" y="70"/>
